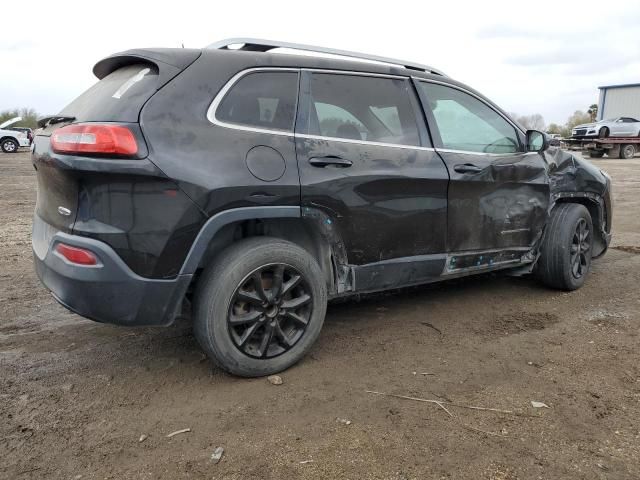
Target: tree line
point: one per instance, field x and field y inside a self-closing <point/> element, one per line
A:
<point x="536" y="121"/>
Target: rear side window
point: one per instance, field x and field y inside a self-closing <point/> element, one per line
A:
<point x="117" y="97"/>
<point x="357" y="107"/>
<point x="261" y="100"/>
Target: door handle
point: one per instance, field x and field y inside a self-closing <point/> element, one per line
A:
<point x="334" y="160"/>
<point x="467" y="168"/>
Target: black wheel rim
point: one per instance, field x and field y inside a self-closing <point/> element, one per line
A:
<point x="580" y="249"/>
<point x="270" y="311"/>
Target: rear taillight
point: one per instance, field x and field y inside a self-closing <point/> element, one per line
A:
<point x="94" y="139"/>
<point x="77" y="255"/>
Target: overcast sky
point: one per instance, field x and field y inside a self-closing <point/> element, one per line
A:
<point x="544" y="57"/>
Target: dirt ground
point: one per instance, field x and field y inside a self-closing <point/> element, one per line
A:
<point x="76" y="396"/>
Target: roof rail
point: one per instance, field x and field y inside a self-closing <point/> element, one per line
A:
<point x="260" y="45"/>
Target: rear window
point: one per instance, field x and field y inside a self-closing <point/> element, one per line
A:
<point x="262" y="100"/>
<point x="118" y="97"/>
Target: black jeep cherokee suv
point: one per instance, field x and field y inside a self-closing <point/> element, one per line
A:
<point x="256" y="186"/>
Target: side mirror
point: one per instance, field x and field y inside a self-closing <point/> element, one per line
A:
<point x="536" y="141"/>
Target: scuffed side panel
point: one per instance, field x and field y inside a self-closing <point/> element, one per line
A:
<point x="504" y="204"/>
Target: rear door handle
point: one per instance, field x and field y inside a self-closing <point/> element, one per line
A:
<point x="334" y="160"/>
<point x="467" y="168"/>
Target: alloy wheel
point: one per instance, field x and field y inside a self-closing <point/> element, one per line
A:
<point x="269" y="311"/>
<point x="580" y="249"/>
<point x="9" y="147"/>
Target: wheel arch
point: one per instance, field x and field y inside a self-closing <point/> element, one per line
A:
<point x="9" y="137"/>
<point x="595" y="206"/>
<point x="287" y="222"/>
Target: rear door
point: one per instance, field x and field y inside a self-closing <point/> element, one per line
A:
<point x="366" y="162"/>
<point x="498" y="194"/>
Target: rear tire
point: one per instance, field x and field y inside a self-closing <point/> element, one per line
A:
<point x="565" y="256"/>
<point x="9" y="145"/>
<point x="627" y="151"/>
<point x="248" y="324"/>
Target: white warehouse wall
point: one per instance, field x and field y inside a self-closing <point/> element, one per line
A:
<point x="619" y="102"/>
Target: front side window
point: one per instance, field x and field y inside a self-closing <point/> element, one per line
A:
<point x="356" y="107"/>
<point x="261" y="100"/>
<point x="467" y="124"/>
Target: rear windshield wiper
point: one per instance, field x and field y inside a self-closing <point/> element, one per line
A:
<point x="52" y="120"/>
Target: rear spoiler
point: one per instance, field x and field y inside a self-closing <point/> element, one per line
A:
<point x="53" y="119"/>
<point x="170" y="61"/>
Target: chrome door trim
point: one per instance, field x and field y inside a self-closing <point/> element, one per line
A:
<point x="484" y="154"/>
<point x="211" y="111"/>
<point x="364" y="142"/>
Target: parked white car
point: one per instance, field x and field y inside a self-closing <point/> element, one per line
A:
<point x="11" y="140"/>
<point x="613" y="127"/>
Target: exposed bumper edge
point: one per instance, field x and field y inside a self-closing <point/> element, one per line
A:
<point x="109" y="292"/>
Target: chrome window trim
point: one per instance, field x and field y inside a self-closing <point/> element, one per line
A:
<point x="360" y="142"/>
<point x="476" y="96"/>
<point x="484" y="154"/>
<point x="211" y="111"/>
<point x="355" y="73"/>
<point x="364" y="142"/>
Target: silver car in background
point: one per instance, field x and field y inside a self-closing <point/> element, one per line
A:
<point x="613" y="127"/>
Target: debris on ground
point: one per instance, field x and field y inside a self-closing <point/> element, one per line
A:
<point x="275" y="379"/>
<point x="427" y="324"/>
<point x="178" y="432"/>
<point x="142" y="438"/>
<point x="303" y="462"/>
<point x="344" y="420"/>
<point x="217" y="454"/>
<point x="441" y="404"/>
<point x="535" y="404"/>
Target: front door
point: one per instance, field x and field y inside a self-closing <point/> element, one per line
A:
<point x="499" y="194"/>
<point x="366" y="163"/>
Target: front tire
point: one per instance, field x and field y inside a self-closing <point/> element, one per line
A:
<point x="9" y="145"/>
<point x="596" y="153"/>
<point x="603" y="132"/>
<point x="565" y="257"/>
<point x="260" y="306"/>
